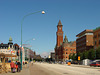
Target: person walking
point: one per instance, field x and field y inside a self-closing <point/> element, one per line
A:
<point x="12" y="66"/>
<point x="19" y="66"/>
<point x="16" y="66"/>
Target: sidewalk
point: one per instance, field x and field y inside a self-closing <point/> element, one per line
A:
<point x="24" y="71"/>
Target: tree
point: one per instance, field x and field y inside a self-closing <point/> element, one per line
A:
<point x="73" y="56"/>
<point x="91" y="54"/>
<point x="81" y="56"/>
<point x="70" y="56"/>
<point x="85" y="54"/>
<point x="98" y="53"/>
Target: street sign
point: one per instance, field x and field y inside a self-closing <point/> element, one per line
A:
<point x="78" y="57"/>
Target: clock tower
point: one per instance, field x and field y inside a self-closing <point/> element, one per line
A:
<point x="59" y="34"/>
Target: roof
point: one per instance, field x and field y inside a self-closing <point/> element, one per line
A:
<point x="96" y="29"/>
<point x="7" y="55"/>
<point x="65" y="39"/>
<point x="59" y="23"/>
<point x="83" y="32"/>
<point x="69" y="44"/>
<point x="10" y="39"/>
<point x="4" y="45"/>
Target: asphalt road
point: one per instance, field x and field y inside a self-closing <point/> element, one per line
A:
<point x="56" y="69"/>
<point x="36" y="69"/>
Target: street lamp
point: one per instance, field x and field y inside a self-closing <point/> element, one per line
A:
<point x="29" y="40"/>
<point x="21" y="31"/>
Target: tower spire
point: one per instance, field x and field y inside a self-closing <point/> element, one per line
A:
<point x="59" y="34"/>
<point x="65" y="39"/>
<point x="59" y="23"/>
<point x="10" y="39"/>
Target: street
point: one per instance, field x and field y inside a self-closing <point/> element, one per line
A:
<point x="56" y="69"/>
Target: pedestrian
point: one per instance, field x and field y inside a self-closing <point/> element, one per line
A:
<point x="12" y="66"/>
<point x="23" y="63"/>
<point x="16" y="66"/>
<point x="16" y="62"/>
<point x="19" y="66"/>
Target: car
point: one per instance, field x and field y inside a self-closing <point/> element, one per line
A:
<point x="96" y="64"/>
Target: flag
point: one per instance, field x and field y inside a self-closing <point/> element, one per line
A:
<point x="9" y="48"/>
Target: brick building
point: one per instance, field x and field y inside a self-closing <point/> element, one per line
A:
<point x="96" y="37"/>
<point x="63" y="48"/>
<point x="84" y="41"/>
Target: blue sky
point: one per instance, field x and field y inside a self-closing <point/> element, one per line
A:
<point x="75" y="15"/>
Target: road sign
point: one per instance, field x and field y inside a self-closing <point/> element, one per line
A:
<point x="78" y="57"/>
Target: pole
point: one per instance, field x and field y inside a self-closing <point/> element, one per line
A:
<point x="95" y="53"/>
<point x="21" y="33"/>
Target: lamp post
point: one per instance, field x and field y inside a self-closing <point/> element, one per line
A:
<point x="29" y="40"/>
<point x="21" y="31"/>
<point x="95" y="54"/>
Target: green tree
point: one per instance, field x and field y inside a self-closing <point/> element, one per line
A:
<point x="70" y="56"/>
<point x="91" y="54"/>
<point x="81" y="55"/>
<point x="73" y="56"/>
<point x="85" y="54"/>
<point x="98" y="53"/>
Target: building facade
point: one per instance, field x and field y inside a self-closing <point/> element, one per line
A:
<point x="27" y="53"/>
<point x="96" y="38"/>
<point x="53" y="56"/>
<point x="9" y="48"/>
<point x="84" y="41"/>
<point x="63" y="48"/>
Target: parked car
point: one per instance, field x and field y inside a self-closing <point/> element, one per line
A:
<point x="96" y="64"/>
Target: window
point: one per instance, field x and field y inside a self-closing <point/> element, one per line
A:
<point x="66" y="49"/>
<point x="74" y="50"/>
<point x="71" y="50"/>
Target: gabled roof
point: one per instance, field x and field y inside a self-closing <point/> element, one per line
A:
<point x="65" y="39"/>
<point x="59" y="23"/>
